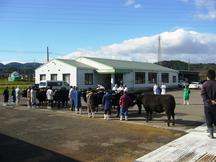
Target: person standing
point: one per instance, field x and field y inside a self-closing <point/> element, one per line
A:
<point x="208" y="94"/>
<point x="125" y="88"/>
<point x="107" y="104"/>
<point x="115" y="88"/>
<point x="90" y="103"/>
<point x="33" y="97"/>
<point x="158" y="90"/>
<point x="13" y="94"/>
<point x="18" y="95"/>
<point x="186" y="95"/>
<point x="124" y="103"/>
<point x="49" y="95"/>
<point x="154" y="88"/>
<point x="29" y="97"/>
<point x="163" y="89"/>
<point x="71" y="97"/>
<point x="6" y="95"/>
<point x="120" y="88"/>
<point x="77" y="101"/>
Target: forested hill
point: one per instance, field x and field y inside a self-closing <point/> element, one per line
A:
<point x="179" y="65"/>
<point x="24" y="69"/>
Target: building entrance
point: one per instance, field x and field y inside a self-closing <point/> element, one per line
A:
<point x="119" y="79"/>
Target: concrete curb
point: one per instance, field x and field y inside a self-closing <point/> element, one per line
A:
<point x="194" y="146"/>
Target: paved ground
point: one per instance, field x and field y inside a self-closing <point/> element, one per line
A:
<point x="51" y="135"/>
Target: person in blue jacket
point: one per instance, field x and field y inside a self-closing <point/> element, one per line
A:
<point x="158" y="90"/>
<point x="77" y="100"/>
<point x="107" y="104"/>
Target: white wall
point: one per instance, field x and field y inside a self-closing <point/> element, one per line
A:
<point x="128" y="80"/>
<point x="56" y="67"/>
<point x="81" y="79"/>
<point x="77" y="76"/>
<point x="150" y="85"/>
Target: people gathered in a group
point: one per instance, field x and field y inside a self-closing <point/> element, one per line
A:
<point x="15" y="96"/>
<point x="116" y="98"/>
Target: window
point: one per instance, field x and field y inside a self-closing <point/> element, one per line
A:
<point x="165" y="77"/>
<point x="152" y="77"/>
<point x="88" y="78"/>
<point x="174" y="79"/>
<point x="66" y="78"/>
<point x="42" y="77"/>
<point x="53" y="77"/>
<point x="139" y="77"/>
<point x="54" y="83"/>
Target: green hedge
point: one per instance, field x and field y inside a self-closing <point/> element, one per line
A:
<point x="22" y="85"/>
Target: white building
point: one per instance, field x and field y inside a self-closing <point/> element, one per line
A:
<point x="86" y="72"/>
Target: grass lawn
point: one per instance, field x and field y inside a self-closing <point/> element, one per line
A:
<point x="22" y="84"/>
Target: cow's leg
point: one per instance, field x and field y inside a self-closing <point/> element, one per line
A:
<point x="58" y="104"/>
<point x="139" y="108"/>
<point x="173" y="118"/>
<point x="168" y="117"/>
<point x="147" y="114"/>
<point x="118" y="112"/>
<point x="150" y="114"/>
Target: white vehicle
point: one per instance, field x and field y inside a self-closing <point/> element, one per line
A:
<point x="54" y="84"/>
<point x="195" y="85"/>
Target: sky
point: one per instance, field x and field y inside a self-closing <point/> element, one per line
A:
<point x="117" y="29"/>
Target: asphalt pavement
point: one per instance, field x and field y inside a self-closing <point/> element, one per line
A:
<point x="62" y="135"/>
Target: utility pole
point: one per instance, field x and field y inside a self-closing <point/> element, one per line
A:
<point x="188" y="64"/>
<point x="47" y="54"/>
<point x="159" y="50"/>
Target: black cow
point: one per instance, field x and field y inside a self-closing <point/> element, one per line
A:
<point x="41" y="96"/>
<point x="61" y="97"/>
<point x="159" y="104"/>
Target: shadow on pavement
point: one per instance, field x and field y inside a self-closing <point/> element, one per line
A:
<point x="15" y="150"/>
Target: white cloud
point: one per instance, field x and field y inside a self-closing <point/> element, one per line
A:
<point x="211" y="15"/>
<point x="130" y="2"/>
<point x="137" y="5"/>
<point x="180" y="44"/>
<point x="185" y="1"/>
<point x="205" y="9"/>
<point x="133" y="3"/>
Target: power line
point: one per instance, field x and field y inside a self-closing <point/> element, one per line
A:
<point x="30" y="52"/>
<point x="20" y="51"/>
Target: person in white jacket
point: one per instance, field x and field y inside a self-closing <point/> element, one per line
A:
<point x="49" y="95"/>
<point x="18" y="95"/>
<point x="115" y="88"/>
<point x="154" y="88"/>
<point x="163" y="89"/>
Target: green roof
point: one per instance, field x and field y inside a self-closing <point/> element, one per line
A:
<point x="120" y="65"/>
<point x="75" y="63"/>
